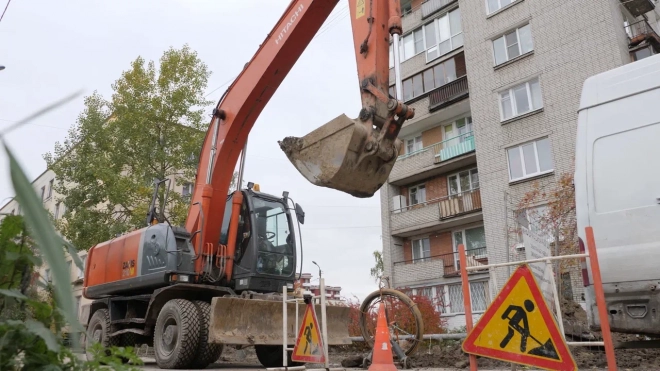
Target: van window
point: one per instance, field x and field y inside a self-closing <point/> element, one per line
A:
<point x="624" y="177"/>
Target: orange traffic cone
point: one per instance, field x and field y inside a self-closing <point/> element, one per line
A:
<point x="382" y="358"/>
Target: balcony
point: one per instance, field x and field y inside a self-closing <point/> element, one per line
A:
<point x="445" y="265"/>
<point x="636" y="7"/>
<point x="448" y="93"/>
<point x="431" y="6"/>
<point x="427" y="159"/>
<point x="447" y="211"/>
<point x="640" y="32"/>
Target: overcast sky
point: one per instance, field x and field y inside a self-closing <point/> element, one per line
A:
<point x="53" y="48"/>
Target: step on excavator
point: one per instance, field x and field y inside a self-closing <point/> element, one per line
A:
<point x="188" y="291"/>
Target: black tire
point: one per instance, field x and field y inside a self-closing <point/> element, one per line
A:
<point x="271" y="356"/>
<point x="176" y="334"/>
<point x="207" y="353"/>
<point x="97" y="332"/>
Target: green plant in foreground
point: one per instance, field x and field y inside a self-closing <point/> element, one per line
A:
<point x="29" y="343"/>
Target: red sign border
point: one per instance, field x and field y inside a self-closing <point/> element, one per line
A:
<point x="309" y="359"/>
<point x="469" y="346"/>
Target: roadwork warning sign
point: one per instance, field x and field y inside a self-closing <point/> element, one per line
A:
<point x="309" y="346"/>
<point x="518" y="327"/>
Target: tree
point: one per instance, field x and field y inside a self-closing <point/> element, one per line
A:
<point x="151" y="128"/>
<point x="379" y="267"/>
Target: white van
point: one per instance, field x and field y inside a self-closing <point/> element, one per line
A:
<point x="617" y="192"/>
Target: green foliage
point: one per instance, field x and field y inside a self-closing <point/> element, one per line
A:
<point x="379" y="267"/>
<point x="152" y="127"/>
<point x="28" y="343"/>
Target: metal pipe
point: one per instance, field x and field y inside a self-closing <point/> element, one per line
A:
<point x="209" y="170"/>
<point x="540" y="260"/>
<point x="457" y="336"/>
<point x="560" y="322"/>
<point x="398" y="86"/>
<point x="324" y="324"/>
<point x="585" y="343"/>
<point x="239" y="181"/>
<point x="285" y="343"/>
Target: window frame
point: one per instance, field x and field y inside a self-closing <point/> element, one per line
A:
<point x="436" y="22"/>
<point x="536" y="158"/>
<point x="450" y="308"/>
<point x="513" y="104"/>
<point x="422" y="258"/>
<point x="414" y="142"/>
<point x="463" y="236"/>
<point x="489" y="12"/>
<point x="458" y="182"/>
<point x="432" y="68"/>
<point x="43" y="193"/>
<point x="50" y="189"/>
<point x="506" y="49"/>
<point x="416" y="187"/>
<point x="57" y="210"/>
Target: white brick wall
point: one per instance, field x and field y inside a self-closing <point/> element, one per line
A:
<point x="573" y="39"/>
<point x="418" y="273"/>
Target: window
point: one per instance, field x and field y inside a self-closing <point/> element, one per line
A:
<point x="520" y="99"/>
<point x="459" y="130"/>
<point x="421" y="249"/>
<point x="432" y="78"/>
<point x="478" y="295"/>
<point x="413" y="44"/>
<point x="417" y="194"/>
<point x="187" y="190"/>
<point x="529" y="159"/>
<point x="495" y="5"/>
<point x="642" y="53"/>
<point x="414" y="144"/>
<point x="464" y="181"/>
<point x="513" y="44"/>
<point x="57" y="210"/>
<point x="50" y="188"/>
<point x="43" y="193"/>
<point x="474" y="240"/>
<point x="81" y="271"/>
<point x="443" y="35"/>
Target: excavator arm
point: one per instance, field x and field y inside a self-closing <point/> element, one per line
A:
<point x="351" y="155"/>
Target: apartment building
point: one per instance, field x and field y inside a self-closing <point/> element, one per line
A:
<point x="332" y="293"/>
<point x="496" y="86"/>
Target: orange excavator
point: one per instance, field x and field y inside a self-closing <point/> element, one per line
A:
<point x="220" y="280"/>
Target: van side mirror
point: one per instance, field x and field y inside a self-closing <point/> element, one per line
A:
<point x="300" y="214"/>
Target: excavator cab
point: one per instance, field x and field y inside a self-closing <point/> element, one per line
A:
<point x="265" y="254"/>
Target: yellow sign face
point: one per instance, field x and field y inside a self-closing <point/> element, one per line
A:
<point x="309" y="347"/>
<point x="518" y="327"/>
<point x="360" y="9"/>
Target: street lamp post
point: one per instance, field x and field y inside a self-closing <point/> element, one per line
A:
<point x="319" y="269"/>
<point x="2" y="67"/>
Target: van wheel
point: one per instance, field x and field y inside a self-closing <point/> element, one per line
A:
<point x="97" y="332"/>
<point x="208" y="353"/>
<point x="271" y="356"/>
<point x="176" y="334"/>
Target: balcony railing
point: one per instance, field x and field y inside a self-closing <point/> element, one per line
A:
<point x="431" y="6"/>
<point x="641" y="31"/>
<point x="452" y="205"/>
<point x="451" y="261"/>
<point x="448" y="148"/>
<point x="448" y="93"/>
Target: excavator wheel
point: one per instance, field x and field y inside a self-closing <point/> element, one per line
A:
<point x="97" y="332"/>
<point x="270" y="356"/>
<point x="176" y="334"/>
<point x="207" y="353"/>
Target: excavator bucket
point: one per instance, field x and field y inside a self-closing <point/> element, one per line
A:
<point x="330" y="156"/>
<point x="242" y="321"/>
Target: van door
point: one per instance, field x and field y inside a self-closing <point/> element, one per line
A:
<point x="623" y="186"/>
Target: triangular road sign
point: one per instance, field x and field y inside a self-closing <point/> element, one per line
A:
<point x="518" y="327"/>
<point x="309" y="346"/>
